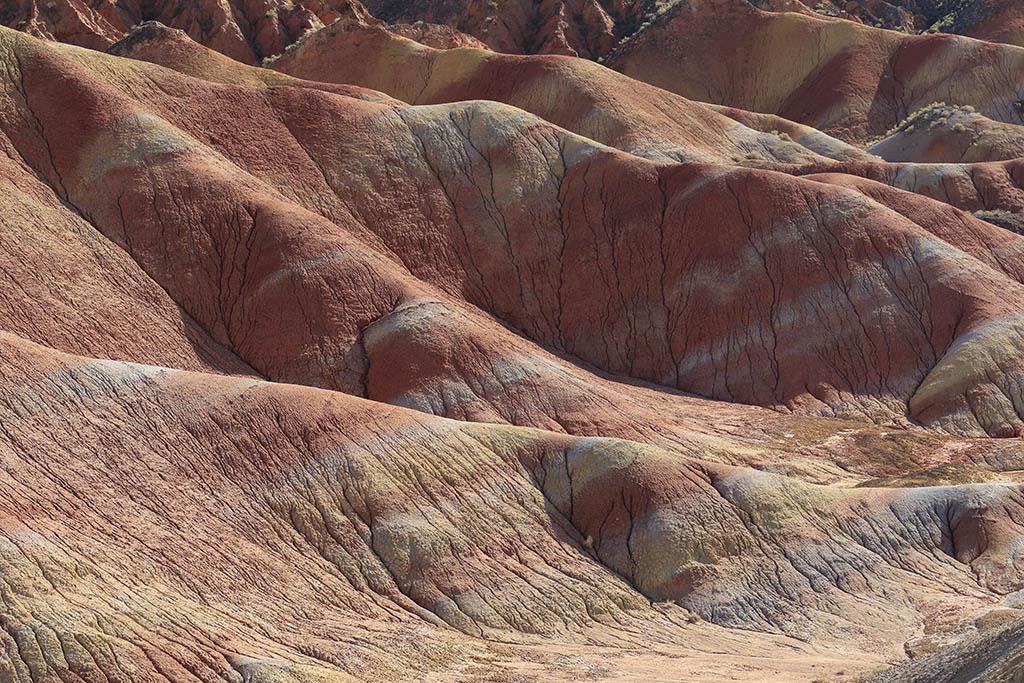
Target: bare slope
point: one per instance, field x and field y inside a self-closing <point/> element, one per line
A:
<point x="426" y="364"/>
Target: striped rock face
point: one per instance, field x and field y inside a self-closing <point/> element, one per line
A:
<point x="242" y="30"/>
<point x="401" y="359"/>
<point x="847" y="79"/>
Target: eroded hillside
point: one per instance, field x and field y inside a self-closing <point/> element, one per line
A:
<point x="416" y="351"/>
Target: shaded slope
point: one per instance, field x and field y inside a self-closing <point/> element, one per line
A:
<point x="999" y="21"/>
<point x="585" y="28"/>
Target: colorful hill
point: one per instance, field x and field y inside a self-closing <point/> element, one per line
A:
<point x="394" y="357"/>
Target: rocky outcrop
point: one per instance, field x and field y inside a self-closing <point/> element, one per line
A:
<point x="999" y="21"/>
<point x="583" y="28"/>
<point x="246" y="31"/>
